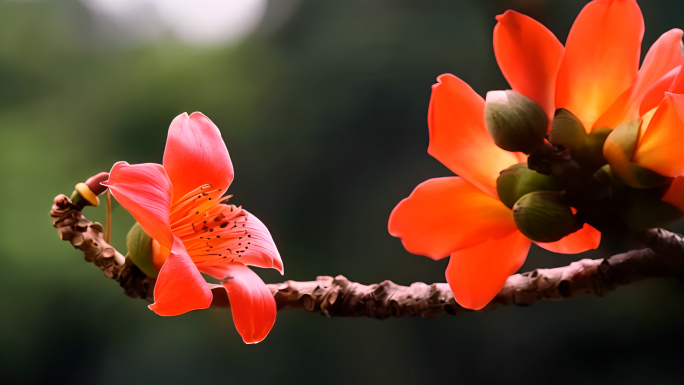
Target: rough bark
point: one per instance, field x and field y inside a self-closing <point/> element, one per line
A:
<point x="339" y="297"/>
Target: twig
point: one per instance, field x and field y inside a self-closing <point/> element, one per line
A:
<point x="339" y="297"/>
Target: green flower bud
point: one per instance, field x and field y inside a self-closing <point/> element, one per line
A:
<point x="543" y="217"/>
<point x="586" y="149"/>
<point x="516" y="122"/>
<point x="567" y="130"/>
<point x="139" y="245"/>
<point x="519" y="180"/>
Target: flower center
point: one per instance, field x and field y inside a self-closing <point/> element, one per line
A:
<point x="211" y="230"/>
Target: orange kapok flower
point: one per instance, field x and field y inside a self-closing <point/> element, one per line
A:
<point x="194" y="230"/>
<point x="462" y="216"/>
<point x="596" y="77"/>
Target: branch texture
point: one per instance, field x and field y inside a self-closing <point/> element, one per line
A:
<point x="339" y="297"/>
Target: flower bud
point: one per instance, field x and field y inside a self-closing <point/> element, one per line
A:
<point x="85" y="194"/>
<point x="139" y="245"/>
<point x="94" y="181"/>
<point x="543" y="217"/>
<point x="567" y="132"/>
<point x="515" y="122"/>
<point x="519" y="180"/>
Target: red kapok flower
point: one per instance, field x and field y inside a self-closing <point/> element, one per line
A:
<point x="194" y="230"/>
<point x="596" y="77"/>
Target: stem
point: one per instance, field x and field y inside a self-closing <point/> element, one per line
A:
<point x="339" y="297"/>
<point x="108" y="234"/>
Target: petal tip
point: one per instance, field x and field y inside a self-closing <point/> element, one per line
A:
<point x="196" y="115"/>
<point x="500" y="18"/>
<point x="443" y="78"/>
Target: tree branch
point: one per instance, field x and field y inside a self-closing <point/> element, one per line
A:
<point x="339" y="297"/>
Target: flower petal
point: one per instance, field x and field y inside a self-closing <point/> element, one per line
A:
<point x="443" y="215"/>
<point x="584" y="239"/>
<point x="601" y="58"/>
<point x="675" y="193"/>
<point x="251" y="302"/>
<point x="180" y="287"/>
<point x="144" y="190"/>
<point x="665" y="55"/>
<point x="196" y="155"/>
<point x="459" y="137"/>
<point x="477" y="274"/>
<point x="660" y="149"/>
<point x="232" y="233"/>
<point x="262" y="251"/>
<point x="655" y="94"/>
<point x="677" y="86"/>
<point x="529" y="56"/>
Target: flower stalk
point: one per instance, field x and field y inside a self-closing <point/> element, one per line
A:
<point x="340" y="297"/>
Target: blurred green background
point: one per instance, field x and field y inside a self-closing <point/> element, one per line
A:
<point x="323" y="107"/>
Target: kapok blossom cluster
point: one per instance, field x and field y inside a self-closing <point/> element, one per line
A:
<point x="585" y="141"/>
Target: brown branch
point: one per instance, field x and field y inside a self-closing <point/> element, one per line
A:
<point x="339" y="297"/>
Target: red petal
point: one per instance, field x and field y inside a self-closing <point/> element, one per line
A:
<point x="477" y="274"/>
<point x="236" y="235"/>
<point x="665" y="55"/>
<point x="601" y="58"/>
<point x="144" y="190"/>
<point x="180" y="287"/>
<point x="586" y="238"/>
<point x="677" y="86"/>
<point x="529" y="56"/>
<point x="443" y="215"/>
<point x="675" y="194"/>
<point x="656" y="92"/>
<point x="660" y="149"/>
<point x="196" y="155"/>
<point x="253" y="306"/>
<point x="262" y="251"/>
<point x="459" y="137"/>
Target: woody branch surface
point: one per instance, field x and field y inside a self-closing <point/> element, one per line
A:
<point x="340" y="297"/>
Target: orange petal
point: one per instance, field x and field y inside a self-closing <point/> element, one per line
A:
<point x="144" y="190"/>
<point x="459" y="137"/>
<point x="675" y="194"/>
<point x="584" y="239"/>
<point x="477" y="274"/>
<point x="677" y="86"/>
<point x="601" y="58"/>
<point x="196" y="155"/>
<point x="251" y="302"/>
<point x="529" y="56"/>
<point x="660" y="149"/>
<point x="180" y="287"/>
<point x="443" y="215"/>
<point x="665" y="55"/>
<point x="655" y="94"/>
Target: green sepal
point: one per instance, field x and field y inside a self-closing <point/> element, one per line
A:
<point x="139" y="245"/>
<point x="586" y="149"/>
<point x="518" y="180"/>
<point x="542" y="216"/>
<point x="643" y="178"/>
<point x="643" y="209"/>
<point x="619" y="149"/>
